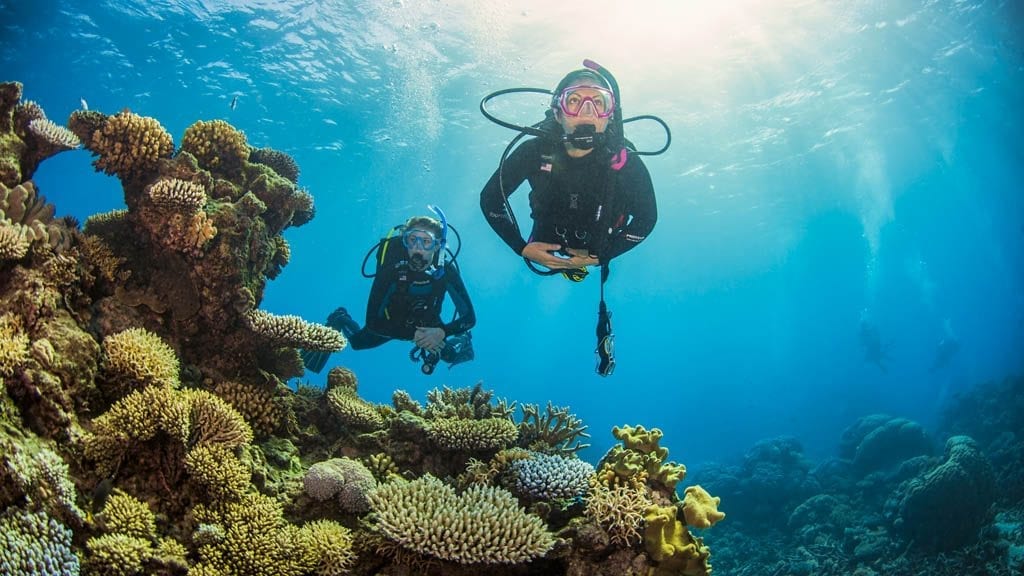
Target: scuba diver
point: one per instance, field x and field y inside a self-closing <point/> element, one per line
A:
<point x="946" y="349"/>
<point x="409" y="285"/>
<point x="591" y="196"/>
<point x="874" y="352"/>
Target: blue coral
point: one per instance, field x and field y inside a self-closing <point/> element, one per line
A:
<point x="34" y="543"/>
<point x="550" y="477"/>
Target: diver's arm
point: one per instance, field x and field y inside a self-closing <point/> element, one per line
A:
<point x="512" y="173"/>
<point x="465" y="317"/>
<point x="641" y="208"/>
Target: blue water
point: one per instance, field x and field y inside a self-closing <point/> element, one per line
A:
<point x="831" y="162"/>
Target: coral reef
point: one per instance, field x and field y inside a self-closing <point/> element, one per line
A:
<point x="146" y="426"/>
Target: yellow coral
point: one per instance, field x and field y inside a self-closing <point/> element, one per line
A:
<point x="354" y="412"/>
<point x="130" y="145"/>
<point x="330" y="544"/>
<point x="135" y="418"/>
<point x="125" y="514"/>
<point x="700" y="508"/>
<point x="217" y="469"/>
<point x="483" y="525"/>
<point x="214" y="421"/>
<point x="256" y="540"/>
<point x="255" y="404"/>
<point x="381" y="466"/>
<point x="462" y="434"/>
<point x="137" y="358"/>
<point x="217" y="146"/>
<point x="116" y="555"/>
<point x="14" y="345"/>
<point x="670" y="545"/>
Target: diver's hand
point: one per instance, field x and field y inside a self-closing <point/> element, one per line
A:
<point x="430" y="339"/>
<point x="544" y="254"/>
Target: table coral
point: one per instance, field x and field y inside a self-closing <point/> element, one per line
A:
<point x="353" y="411"/>
<point x="290" y="330"/>
<point x="471" y="435"/>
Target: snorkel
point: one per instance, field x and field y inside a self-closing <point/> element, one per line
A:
<point x="444" y="236"/>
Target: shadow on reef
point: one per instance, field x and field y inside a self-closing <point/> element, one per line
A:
<point x="893" y="501"/>
<point x="146" y="428"/>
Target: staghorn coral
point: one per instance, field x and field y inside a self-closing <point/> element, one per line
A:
<point x="214" y="421"/>
<point x="217" y="146"/>
<point x="700" y="509"/>
<point x="136" y="358"/>
<point x="295" y="332"/>
<point x="216" y="468"/>
<point x="255" y="404"/>
<point x="250" y="536"/>
<point x="550" y="477"/>
<point x="125" y="514"/>
<point x="354" y="412"/>
<point x="34" y="543"/>
<point x="277" y="161"/>
<point x="344" y="478"/>
<point x="465" y="403"/>
<point x="483" y="525"/>
<point x="177" y="194"/>
<point x="403" y="402"/>
<point x="100" y="258"/>
<point x="330" y="544"/>
<point x="128" y="145"/>
<point x="470" y="435"/>
<point x="556" y="431"/>
<point x="116" y="555"/>
<point x="14" y="345"/>
<point x="618" y="509"/>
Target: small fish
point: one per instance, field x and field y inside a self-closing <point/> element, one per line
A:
<point x="234" y="102"/>
<point x="85" y="105"/>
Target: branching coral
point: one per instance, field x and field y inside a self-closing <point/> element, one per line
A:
<point x="116" y="554"/>
<point x="471" y="435"/>
<point x="354" y="412"/>
<point x="137" y="358"/>
<point x="214" y="421"/>
<point x="34" y="543"/>
<point x="483" y="525"/>
<point x="176" y="194"/>
<point x="550" y="477"/>
<point x="218" y="470"/>
<point x="128" y="145"/>
<point x="13" y="242"/>
<point x="465" y="403"/>
<point x="255" y="404"/>
<point x="555" y="431"/>
<point x="217" y="146"/>
<point x="14" y="345"/>
<point x="619" y="509"/>
<point x="330" y="546"/>
<point x="125" y="514"/>
<point x="43" y="477"/>
<point x="402" y="401"/>
<point x="293" y="331"/>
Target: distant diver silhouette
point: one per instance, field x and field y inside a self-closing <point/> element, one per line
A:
<point x="872" y="344"/>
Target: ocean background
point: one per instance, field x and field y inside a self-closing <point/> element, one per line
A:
<point x="831" y="162"/>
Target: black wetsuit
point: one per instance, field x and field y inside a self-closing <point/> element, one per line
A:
<point x="570" y="200"/>
<point x="402" y="299"/>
